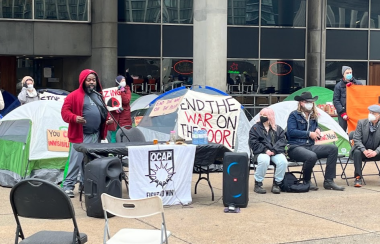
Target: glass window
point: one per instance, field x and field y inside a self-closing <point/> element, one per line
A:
<point x="16" y="9"/>
<point x="283" y="13"/>
<point x="176" y="73"/>
<point x="145" y="73"/>
<point x="374" y="53"/>
<point x="347" y="44"/>
<point x="61" y="9"/>
<point x="243" y="72"/>
<point x="177" y="41"/>
<point x="243" y="12"/>
<point x="375" y="14"/>
<point x="147" y="11"/>
<point x="347" y="14"/>
<point x="281" y="76"/>
<point x="178" y="11"/>
<point x="334" y="72"/>
<point x="242" y="42"/>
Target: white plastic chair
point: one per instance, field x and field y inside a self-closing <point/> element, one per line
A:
<point x="138" y="208"/>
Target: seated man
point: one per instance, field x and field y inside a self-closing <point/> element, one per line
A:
<point x="366" y="142"/>
<point x="267" y="142"/>
<point x="302" y="131"/>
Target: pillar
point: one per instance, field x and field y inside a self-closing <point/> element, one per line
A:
<point x="316" y="43"/>
<point x="104" y="40"/>
<point x="210" y="43"/>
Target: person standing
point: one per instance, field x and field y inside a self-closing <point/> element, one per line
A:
<point x="28" y="92"/>
<point x="366" y="142"/>
<point x="123" y="114"/>
<point x="339" y="98"/>
<point x="267" y="142"/>
<point x="87" y="119"/>
<point x="302" y="131"/>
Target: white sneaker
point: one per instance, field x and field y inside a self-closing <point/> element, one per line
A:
<point x="70" y="193"/>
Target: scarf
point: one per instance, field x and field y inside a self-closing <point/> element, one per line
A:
<point x="372" y="127"/>
<point x="32" y="93"/>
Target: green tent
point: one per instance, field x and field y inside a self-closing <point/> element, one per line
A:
<point x="324" y="94"/>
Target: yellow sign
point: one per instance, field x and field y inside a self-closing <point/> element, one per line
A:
<point x="58" y="141"/>
<point x="326" y="137"/>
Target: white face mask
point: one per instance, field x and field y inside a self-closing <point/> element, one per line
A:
<point x="371" y="117"/>
<point x="122" y="84"/>
<point x="30" y="86"/>
<point x="308" y="106"/>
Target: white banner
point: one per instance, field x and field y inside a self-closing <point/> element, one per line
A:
<point x="51" y="96"/>
<point x="112" y="98"/>
<point x="218" y="114"/>
<point x="163" y="170"/>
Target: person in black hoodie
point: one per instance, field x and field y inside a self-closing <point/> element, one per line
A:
<point x="267" y="142"/>
<point x="339" y="98"/>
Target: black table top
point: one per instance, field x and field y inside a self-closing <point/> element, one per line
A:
<point x="204" y="155"/>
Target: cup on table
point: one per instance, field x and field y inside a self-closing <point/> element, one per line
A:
<point x="155" y="141"/>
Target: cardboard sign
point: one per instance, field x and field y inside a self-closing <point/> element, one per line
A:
<point x="51" y="96"/>
<point x="138" y="119"/>
<point x="112" y="98"/>
<point x="217" y="114"/>
<point x="58" y="141"/>
<point x="167" y="106"/>
<point x="326" y="137"/>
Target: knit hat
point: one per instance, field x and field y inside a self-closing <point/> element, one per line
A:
<point x="344" y="68"/>
<point x="23" y="81"/>
<point x="119" y="78"/>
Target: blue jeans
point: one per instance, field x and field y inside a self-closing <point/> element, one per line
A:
<point x="263" y="161"/>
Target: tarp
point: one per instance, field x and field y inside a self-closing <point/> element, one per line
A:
<point x="160" y="126"/>
<point x="324" y="94"/>
<point x="283" y="109"/>
<point x="24" y="132"/>
<point x="10" y="102"/>
<point x="359" y="98"/>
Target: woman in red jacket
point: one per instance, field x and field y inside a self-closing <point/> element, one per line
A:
<point x="123" y="114"/>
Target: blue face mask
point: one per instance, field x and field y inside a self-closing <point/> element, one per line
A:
<point x="348" y="76"/>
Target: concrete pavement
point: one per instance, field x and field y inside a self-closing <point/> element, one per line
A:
<point x="323" y="216"/>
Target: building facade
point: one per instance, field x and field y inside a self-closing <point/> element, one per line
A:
<point x="278" y="45"/>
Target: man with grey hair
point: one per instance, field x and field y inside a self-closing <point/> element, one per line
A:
<point x="339" y="98"/>
<point x="366" y="142"/>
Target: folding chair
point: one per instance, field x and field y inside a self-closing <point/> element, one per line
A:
<point x="351" y="137"/>
<point x="294" y="163"/>
<point x="138" y="208"/>
<point x="40" y="199"/>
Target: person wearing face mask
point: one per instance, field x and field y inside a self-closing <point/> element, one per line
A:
<point x="123" y="114"/>
<point x="339" y="98"/>
<point x="302" y="131"/>
<point x="366" y="142"/>
<point x="267" y="142"/>
<point x="28" y="92"/>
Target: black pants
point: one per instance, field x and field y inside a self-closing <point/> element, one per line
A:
<point x="342" y="123"/>
<point x="358" y="157"/>
<point x="309" y="156"/>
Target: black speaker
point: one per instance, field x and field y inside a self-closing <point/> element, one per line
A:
<point x="102" y="175"/>
<point x="235" y="179"/>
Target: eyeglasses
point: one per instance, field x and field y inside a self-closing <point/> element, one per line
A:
<point x="91" y="79"/>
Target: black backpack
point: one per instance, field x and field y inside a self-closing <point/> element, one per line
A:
<point x="292" y="184"/>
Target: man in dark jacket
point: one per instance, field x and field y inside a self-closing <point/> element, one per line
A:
<point x="339" y="98"/>
<point x="366" y="142"/>
<point x="267" y="142"/>
<point x="302" y="131"/>
<point x="87" y="120"/>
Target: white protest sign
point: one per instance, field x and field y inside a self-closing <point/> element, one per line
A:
<point x="326" y="137"/>
<point x="52" y="96"/>
<point x="167" y="106"/>
<point x="112" y="98"/>
<point x="218" y="114"/>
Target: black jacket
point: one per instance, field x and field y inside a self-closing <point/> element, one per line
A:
<point x="260" y="143"/>
<point x="339" y="98"/>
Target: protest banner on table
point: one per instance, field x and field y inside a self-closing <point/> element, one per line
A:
<point x="166" y="106"/>
<point x="326" y="137"/>
<point x="218" y="114"/>
<point x="112" y="98"/>
<point x="58" y="141"/>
